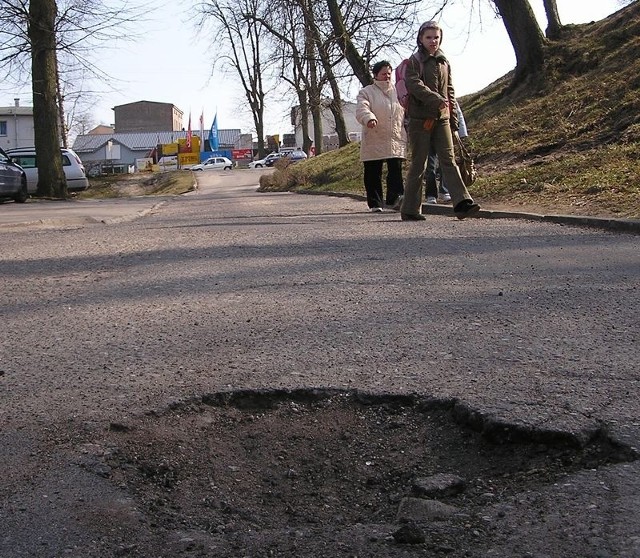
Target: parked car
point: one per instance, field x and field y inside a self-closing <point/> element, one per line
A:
<point x="71" y="165"/>
<point x="296" y="156"/>
<point x="271" y="162"/>
<point x="13" y="180"/>
<point x="214" y="163"/>
<point x="266" y="162"/>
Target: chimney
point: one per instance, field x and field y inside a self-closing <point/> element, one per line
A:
<point x="17" y="101"/>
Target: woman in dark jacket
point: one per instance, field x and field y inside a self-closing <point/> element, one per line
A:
<point x="432" y="117"/>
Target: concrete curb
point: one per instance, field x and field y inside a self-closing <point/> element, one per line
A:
<point x="618" y="225"/>
<point x="604" y="223"/>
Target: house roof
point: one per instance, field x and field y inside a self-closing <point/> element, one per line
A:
<point x="5" y="111"/>
<point x="143" y="141"/>
<point x="149" y="103"/>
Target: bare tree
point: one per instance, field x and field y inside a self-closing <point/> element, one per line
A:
<point x="358" y="64"/>
<point x="241" y="38"/>
<point x="314" y="53"/>
<point x="77" y="100"/>
<point x="33" y="35"/>
<point x="81" y="26"/>
<point x="323" y="46"/>
<point x="363" y="29"/>
<point x="333" y="49"/>
<point x="286" y="23"/>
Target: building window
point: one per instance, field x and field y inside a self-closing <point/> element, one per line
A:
<point x="3" y="127"/>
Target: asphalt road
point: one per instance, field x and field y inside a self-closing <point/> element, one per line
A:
<point x="126" y="307"/>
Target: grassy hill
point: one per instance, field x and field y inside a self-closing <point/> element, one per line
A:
<point x="566" y="143"/>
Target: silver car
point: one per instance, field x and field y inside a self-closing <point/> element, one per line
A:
<point x="13" y="180"/>
<point x="71" y="165"/>
<point x="214" y="163"/>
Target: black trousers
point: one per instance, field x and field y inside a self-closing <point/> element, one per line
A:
<point x="373" y="181"/>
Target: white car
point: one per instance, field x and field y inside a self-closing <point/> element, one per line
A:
<point x="71" y="165"/>
<point x="214" y="163"/>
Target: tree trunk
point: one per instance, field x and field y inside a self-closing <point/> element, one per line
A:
<point x="314" y="92"/>
<point x="307" y="142"/>
<point x="51" y="179"/>
<point x="316" y="116"/>
<point x="357" y="63"/>
<point x="335" y="106"/>
<point x="525" y="35"/>
<point x="553" y="19"/>
<point x="259" y="123"/>
<point x="60" y="98"/>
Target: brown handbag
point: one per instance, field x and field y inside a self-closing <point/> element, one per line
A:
<point x="464" y="161"/>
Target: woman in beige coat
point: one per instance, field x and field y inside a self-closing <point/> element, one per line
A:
<point x="383" y="138"/>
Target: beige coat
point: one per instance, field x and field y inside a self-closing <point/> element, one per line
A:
<point x="388" y="139"/>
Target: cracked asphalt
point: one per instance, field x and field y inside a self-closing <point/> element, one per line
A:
<point x="110" y="311"/>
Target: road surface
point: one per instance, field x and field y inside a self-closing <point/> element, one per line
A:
<point x="531" y="325"/>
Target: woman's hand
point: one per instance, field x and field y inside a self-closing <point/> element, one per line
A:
<point x="372" y="123"/>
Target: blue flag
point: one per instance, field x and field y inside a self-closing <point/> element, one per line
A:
<point x="213" y="134"/>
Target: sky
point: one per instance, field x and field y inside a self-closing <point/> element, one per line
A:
<point x="171" y="63"/>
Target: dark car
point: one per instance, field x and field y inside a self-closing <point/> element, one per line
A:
<point x="272" y="158"/>
<point x="13" y="181"/>
<point x="265" y="162"/>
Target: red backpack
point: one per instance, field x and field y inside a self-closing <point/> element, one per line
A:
<point x="401" y="86"/>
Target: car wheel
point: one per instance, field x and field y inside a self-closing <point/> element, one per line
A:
<point x="227" y="168"/>
<point x="258" y="166"/>
<point x="23" y="195"/>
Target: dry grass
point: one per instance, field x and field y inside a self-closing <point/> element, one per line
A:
<point x="125" y="185"/>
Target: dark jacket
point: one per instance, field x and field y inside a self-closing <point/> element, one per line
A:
<point x="428" y="80"/>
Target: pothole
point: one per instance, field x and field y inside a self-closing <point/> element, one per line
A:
<point x="286" y="473"/>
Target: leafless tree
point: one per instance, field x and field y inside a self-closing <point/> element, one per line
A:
<point x="363" y="29"/>
<point x="331" y="47"/>
<point x="78" y="99"/>
<point x="286" y="23"/>
<point x="34" y="37"/>
<point x="241" y="44"/>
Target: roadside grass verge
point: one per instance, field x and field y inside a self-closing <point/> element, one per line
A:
<point x="170" y="183"/>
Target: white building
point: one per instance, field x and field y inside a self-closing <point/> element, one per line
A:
<point x="16" y="126"/>
<point x="329" y="136"/>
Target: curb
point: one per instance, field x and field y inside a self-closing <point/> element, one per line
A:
<point x="603" y="223"/>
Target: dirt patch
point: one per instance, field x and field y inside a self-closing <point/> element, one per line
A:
<point x="324" y="473"/>
<point x="139" y="184"/>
